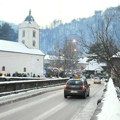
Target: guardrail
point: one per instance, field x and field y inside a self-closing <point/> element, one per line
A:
<point x="15" y="85"/>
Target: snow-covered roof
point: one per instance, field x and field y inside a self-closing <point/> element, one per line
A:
<point x="51" y="57"/>
<point x="9" y="46"/>
<point x="117" y="55"/>
<point x="103" y="64"/>
<point x="93" y="66"/>
<point x="83" y="60"/>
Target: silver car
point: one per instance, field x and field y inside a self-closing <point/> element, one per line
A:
<point x="97" y="80"/>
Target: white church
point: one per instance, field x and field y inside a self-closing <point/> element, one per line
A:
<point x="25" y="55"/>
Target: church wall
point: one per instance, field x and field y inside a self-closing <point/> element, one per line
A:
<point x="17" y="62"/>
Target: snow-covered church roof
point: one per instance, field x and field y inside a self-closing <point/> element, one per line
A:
<point x="9" y="46"/>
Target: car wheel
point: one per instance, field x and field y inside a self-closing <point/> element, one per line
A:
<point x="84" y="96"/>
<point x="65" y="96"/>
<point x="88" y="94"/>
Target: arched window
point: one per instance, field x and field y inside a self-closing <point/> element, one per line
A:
<point x="34" y="43"/>
<point x="3" y="68"/>
<point x="23" y="33"/>
<point x="24" y="69"/>
<point x="34" y="34"/>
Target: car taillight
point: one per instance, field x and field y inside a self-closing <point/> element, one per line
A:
<point x="82" y="86"/>
<point x="66" y="86"/>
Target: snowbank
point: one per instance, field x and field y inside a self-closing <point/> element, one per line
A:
<point x="111" y="104"/>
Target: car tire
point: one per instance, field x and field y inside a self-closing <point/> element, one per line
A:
<point x="65" y="96"/>
<point x="84" y="96"/>
<point x="88" y="94"/>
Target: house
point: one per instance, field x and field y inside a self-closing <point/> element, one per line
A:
<point x="94" y="68"/>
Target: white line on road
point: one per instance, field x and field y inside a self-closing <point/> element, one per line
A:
<point x="88" y="110"/>
<point x="12" y="111"/>
<point x="50" y="112"/>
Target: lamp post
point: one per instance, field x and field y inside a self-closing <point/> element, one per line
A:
<point x="59" y="65"/>
<point x="73" y="51"/>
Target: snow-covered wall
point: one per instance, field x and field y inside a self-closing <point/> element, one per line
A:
<point x="111" y="104"/>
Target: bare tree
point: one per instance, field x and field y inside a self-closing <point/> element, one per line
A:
<point x="103" y="43"/>
<point x="71" y="54"/>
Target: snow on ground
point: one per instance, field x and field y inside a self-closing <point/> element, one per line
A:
<point x="111" y="104"/>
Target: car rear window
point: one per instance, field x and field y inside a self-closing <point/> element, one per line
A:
<point x="97" y="78"/>
<point x="74" y="82"/>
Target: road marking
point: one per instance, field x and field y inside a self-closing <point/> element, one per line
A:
<point x="14" y="110"/>
<point x="88" y="110"/>
<point x="50" y="112"/>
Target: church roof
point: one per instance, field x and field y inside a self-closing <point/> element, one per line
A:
<point x="29" y="18"/>
<point x="9" y="46"/>
<point x="93" y="65"/>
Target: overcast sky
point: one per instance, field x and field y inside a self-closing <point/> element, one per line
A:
<point x="45" y="11"/>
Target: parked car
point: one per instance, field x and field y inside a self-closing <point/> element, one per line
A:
<point x="97" y="80"/>
<point x="76" y="87"/>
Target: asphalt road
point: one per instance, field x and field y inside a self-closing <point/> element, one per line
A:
<point x="53" y="106"/>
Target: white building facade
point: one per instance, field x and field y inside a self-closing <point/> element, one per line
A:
<point x="25" y="55"/>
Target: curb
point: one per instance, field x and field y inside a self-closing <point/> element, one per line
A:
<point x="28" y="94"/>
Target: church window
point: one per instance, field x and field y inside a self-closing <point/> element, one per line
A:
<point x="34" y="34"/>
<point x="24" y="69"/>
<point x="3" y="68"/>
<point x="34" y="43"/>
<point x="23" y="33"/>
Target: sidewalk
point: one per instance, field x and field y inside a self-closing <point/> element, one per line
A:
<point x="109" y="107"/>
<point x="23" y="95"/>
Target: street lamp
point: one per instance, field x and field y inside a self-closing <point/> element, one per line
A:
<point x="74" y="40"/>
<point x="73" y="51"/>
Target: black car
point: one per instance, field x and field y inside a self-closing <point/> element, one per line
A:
<point x="76" y="87"/>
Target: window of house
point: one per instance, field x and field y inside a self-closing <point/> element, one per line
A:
<point x="23" y="33"/>
<point x="34" y="34"/>
<point x="24" y="70"/>
<point x="3" y="68"/>
<point x="34" y="43"/>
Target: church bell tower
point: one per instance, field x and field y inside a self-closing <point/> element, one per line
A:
<point x="29" y="33"/>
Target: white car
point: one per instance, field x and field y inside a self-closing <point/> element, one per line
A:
<point x="97" y="80"/>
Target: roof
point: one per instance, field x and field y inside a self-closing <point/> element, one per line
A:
<point x="29" y="18"/>
<point x="83" y="60"/>
<point x="94" y="66"/>
<point x="51" y="57"/>
<point x="9" y="46"/>
<point x="117" y="55"/>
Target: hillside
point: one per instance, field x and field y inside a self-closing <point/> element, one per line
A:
<point x="55" y="35"/>
<point x="59" y="32"/>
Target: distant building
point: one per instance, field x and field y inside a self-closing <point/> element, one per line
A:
<point x="91" y="67"/>
<point x="23" y="56"/>
<point x="83" y="63"/>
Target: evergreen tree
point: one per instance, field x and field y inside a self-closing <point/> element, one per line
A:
<point x="7" y="33"/>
